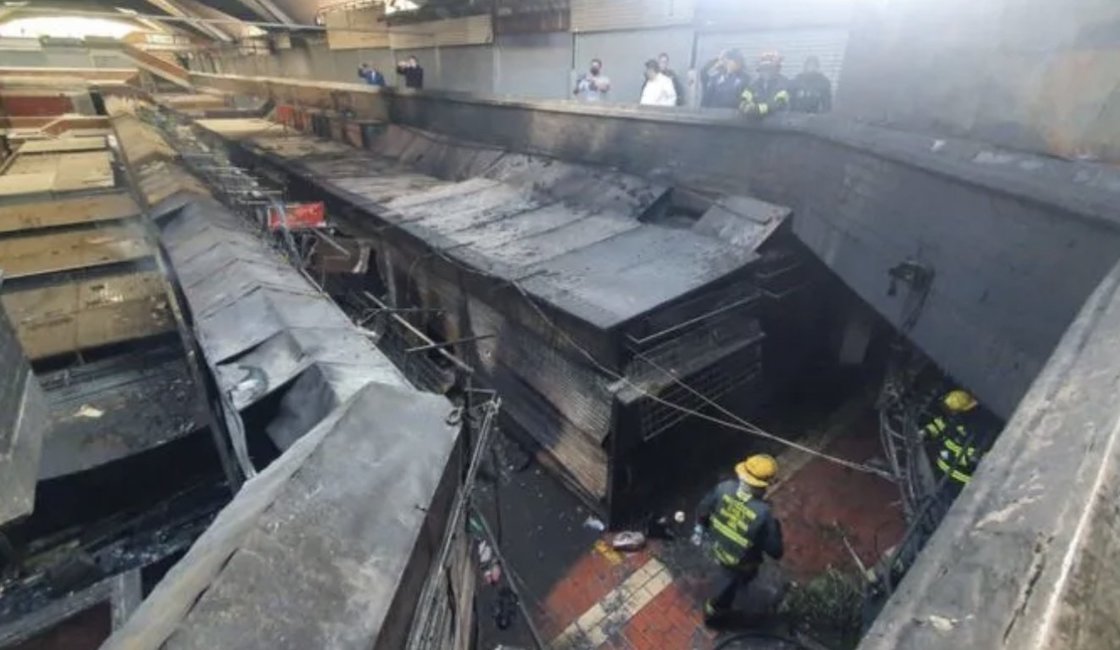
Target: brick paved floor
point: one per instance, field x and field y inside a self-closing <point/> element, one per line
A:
<point x="652" y="600"/>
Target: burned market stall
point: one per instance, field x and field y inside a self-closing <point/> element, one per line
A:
<point x="584" y="295"/>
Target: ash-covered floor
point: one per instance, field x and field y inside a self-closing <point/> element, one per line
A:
<point x="586" y="595"/>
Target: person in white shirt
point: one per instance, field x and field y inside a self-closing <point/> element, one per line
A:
<point x="658" y="89"/>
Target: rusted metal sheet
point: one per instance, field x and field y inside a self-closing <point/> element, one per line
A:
<point x="37" y="104"/>
<point x="77" y="315"/>
<point x="50" y="253"/>
<point x="64" y="212"/>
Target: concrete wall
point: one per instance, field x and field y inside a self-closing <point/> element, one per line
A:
<point x="1032" y="74"/>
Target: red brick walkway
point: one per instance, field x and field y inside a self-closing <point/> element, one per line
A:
<point x="601" y="591"/>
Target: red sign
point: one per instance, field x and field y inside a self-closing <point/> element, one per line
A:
<point x="285" y="114"/>
<point x="299" y="216"/>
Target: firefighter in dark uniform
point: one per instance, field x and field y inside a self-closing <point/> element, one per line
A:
<point x="742" y="527"/>
<point x="770" y="91"/>
<point x="960" y="435"/>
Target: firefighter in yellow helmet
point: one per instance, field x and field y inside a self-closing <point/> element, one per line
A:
<point x="959" y="436"/>
<point x="770" y="90"/>
<point x="742" y="526"/>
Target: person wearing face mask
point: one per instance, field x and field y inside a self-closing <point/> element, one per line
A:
<point x="593" y="85"/>
<point x="770" y="91"/>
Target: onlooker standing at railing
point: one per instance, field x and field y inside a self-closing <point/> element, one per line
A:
<point x="412" y="72"/>
<point x="678" y="87"/>
<point x="812" y="91"/>
<point x="658" y="89"/>
<point x="371" y="75"/>
<point x="593" y="86"/>
<point x="724" y="78"/>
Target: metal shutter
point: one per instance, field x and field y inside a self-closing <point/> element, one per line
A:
<point x="534" y="65"/>
<point x="602" y="15"/>
<point x="467" y="68"/>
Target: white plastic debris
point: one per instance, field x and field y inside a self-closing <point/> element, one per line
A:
<point x="678" y="516"/>
<point x="594" y="523"/>
<point x="485" y="553"/>
<point x="630" y="540"/>
<point x="88" y="411"/>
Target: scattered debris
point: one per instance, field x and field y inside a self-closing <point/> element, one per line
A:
<point x="662" y="528"/>
<point x="630" y="540"/>
<point x="88" y="411"/>
<point x="594" y="523"/>
<point x="940" y="623"/>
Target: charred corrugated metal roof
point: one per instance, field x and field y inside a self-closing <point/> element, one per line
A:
<point x="262" y="326"/>
<point x="326" y="546"/>
<point x="564" y="270"/>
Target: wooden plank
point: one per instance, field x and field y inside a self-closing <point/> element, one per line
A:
<point x="81" y="170"/>
<point x="14" y="185"/>
<point x="84" y="170"/>
<point x="77" y="315"/>
<point x="50" y="253"/>
<point x="95" y="143"/>
<point x="63" y="212"/>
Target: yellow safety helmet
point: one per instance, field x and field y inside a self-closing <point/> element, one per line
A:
<point x="758" y="470"/>
<point x="959" y="401"/>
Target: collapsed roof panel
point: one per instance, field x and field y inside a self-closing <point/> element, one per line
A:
<point x="316" y="551"/>
<point x="82" y="293"/>
<point x="262" y="325"/>
<point x="23" y="424"/>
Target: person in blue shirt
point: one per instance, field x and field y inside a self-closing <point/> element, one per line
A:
<point x="371" y="75"/>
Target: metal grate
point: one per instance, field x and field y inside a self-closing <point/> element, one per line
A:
<point x="714" y="382"/>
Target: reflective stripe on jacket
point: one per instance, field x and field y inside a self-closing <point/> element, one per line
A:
<point x="743" y="527"/>
<point x="766" y="96"/>
<point x="956" y="457"/>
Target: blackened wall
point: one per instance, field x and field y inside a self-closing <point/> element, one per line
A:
<point x="1015" y="243"/>
<point x="1037" y="75"/>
